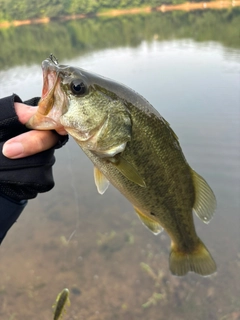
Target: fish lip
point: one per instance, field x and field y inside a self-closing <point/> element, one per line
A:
<point x="52" y="102"/>
<point x="50" y="62"/>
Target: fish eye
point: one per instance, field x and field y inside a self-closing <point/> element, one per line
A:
<point x="78" y="87"/>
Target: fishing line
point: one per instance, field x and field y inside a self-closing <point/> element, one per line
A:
<point x="72" y="181"/>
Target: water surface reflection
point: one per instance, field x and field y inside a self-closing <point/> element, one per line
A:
<point x="196" y="88"/>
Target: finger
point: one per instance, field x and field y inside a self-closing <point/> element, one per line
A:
<point x="61" y="131"/>
<point x="29" y="143"/>
<point x="25" y="112"/>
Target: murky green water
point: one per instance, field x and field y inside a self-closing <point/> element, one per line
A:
<point x="188" y="66"/>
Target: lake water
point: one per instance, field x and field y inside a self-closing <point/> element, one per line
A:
<point x="188" y="66"/>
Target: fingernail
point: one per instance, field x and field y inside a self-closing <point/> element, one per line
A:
<point x="13" y="150"/>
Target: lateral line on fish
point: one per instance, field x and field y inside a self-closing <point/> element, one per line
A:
<point x="173" y="213"/>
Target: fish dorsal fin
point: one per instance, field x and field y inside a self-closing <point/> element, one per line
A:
<point x="151" y="224"/>
<point x="205" y="201"/>
<point x="128" y="170"/>
<point x="101" y="181"/>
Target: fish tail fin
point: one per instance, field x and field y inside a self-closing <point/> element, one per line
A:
<point x="199" y="260"/>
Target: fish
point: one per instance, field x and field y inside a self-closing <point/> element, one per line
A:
<point x="134" y="148"/>
<point x="61" y="301"/>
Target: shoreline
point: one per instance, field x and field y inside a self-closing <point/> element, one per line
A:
<point x="187" y="6"/>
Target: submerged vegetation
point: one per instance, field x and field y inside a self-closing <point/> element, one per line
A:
<point x="61" y="301"/>
<point x="32" y="43"/>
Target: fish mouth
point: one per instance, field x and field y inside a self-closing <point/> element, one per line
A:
<point x="53" y="102"/>
<point x="50" y="82"/>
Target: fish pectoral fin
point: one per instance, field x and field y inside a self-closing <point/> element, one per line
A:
<point x="205" y="201"/>
<point x="128" y="170"/>
<point x="101" y="181"/>
<point x="199" y="260"/>
<point x="151" y="224"/>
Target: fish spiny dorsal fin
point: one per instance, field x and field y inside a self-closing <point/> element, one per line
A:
<point x="151" y="224"/>
<point x="101" y="181"/>
<point x="205" y="201"/>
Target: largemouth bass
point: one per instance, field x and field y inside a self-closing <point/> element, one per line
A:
<point x="132" y="146"/>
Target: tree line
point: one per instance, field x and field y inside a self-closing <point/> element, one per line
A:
<point x="32" y="9"/>
<point x="31" y="44"/>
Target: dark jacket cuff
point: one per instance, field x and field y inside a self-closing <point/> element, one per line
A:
<point x="10" y="210"/>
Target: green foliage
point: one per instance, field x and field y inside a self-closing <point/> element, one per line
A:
<point x="32" y="43"/>
<point x="30" y="9"/>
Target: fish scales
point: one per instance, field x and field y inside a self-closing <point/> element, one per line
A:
<point x="165" y="178"/>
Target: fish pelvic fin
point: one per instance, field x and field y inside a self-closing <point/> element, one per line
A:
<point x="205" y="201"/>
<point x="101" y="181"/>
<point x="199" y="261"/>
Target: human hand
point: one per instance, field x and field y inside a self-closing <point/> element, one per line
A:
<point x="30" y="142"/>
<point x="28" y="172"/>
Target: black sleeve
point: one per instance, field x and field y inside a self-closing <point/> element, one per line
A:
<point x="21" y="179"/>
<point x="9" y="213"/>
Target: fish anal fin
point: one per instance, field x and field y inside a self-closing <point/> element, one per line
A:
<point x="205" y="201"/>
<point x="128" y="170"/>
<point x="101" y="181"/>
<point x="151" y="224"/>
<point x="198" y="260"/>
